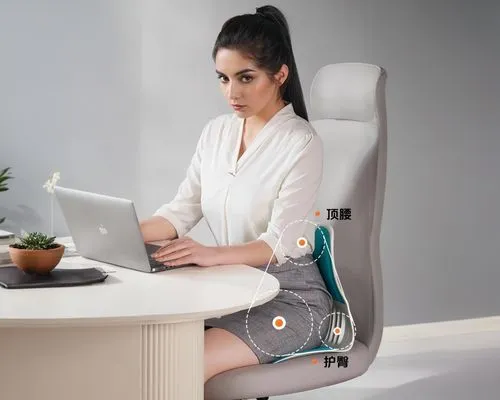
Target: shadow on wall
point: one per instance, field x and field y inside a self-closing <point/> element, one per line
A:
<point x="23" y="217"/>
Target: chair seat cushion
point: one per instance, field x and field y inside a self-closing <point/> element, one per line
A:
<point x="291" y="376"/>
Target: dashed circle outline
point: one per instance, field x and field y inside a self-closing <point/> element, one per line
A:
<point x="289" y="258"/>
<point x="326" y="316"/>
<point x="288" y="354"/>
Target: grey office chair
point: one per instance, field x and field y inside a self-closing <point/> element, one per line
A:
<point x="348" y="100"/>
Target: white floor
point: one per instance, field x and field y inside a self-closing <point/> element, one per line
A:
<point x="448" y="360"/>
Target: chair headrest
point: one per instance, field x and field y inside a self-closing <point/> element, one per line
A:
<point x="345" y="91"/>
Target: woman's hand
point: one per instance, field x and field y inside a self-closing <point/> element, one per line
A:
<point x="185" y="250"/>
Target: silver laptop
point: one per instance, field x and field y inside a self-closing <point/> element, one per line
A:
<point x="106" y="229"/>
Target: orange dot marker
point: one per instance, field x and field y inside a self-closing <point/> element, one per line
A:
<point x="317" y="213"/>
<point x="337" y="331"/>
<point x="279" y="322"/>
<point x="301" y="242"/>
<point x="314" y="360"/>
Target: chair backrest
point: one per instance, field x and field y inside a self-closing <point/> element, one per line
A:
<point x="347" y="101"/>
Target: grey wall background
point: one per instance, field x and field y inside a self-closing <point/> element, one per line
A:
<point x="114" y="94"/>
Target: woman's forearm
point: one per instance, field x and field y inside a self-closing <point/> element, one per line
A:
<point x="255" y="253"/>
<point x="157" y="228"/>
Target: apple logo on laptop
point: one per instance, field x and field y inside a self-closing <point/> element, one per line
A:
<point x="102" y="230"/>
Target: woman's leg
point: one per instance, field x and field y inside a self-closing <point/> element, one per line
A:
<point x="225" y="351"/>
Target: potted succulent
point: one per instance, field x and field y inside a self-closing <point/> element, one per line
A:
<point x="36" y="253"/>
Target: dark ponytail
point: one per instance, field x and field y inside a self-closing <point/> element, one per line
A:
<point x="265" y="38"/>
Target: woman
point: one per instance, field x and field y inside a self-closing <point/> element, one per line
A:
<point x="254" y="176"/>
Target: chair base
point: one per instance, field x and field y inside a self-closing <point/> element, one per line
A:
<point x="261" y="398"/>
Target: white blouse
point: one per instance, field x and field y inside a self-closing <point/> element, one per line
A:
<point x="262" y="196"/>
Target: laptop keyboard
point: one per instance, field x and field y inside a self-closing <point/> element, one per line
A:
<point x="151" y="248"/>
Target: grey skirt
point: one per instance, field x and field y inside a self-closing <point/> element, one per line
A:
<point x="302" y="303"/>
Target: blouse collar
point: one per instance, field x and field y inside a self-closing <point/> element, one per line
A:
<point x="283" y="115"/>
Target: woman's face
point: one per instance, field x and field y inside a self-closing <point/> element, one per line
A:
<point x="243" y="84"/>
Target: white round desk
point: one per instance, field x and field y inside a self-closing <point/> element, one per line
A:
<point x="135" y="336"/>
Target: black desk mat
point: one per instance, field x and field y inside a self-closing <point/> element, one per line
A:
<point x="14" y="278"/>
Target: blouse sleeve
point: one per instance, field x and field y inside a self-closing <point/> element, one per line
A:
<point x="184" y="211"/>
<point x="296" y="198"/>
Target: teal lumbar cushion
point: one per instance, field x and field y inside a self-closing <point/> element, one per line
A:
<point x="325" y="262"/>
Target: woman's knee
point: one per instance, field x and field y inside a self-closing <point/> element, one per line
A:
<point x="225" y="351"/>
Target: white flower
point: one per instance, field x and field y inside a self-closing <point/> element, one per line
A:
<point x="51" y="183"/>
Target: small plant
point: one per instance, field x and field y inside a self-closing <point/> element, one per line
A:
<point x="49" y="186"/>
<point x="36" y="241"/>
<point x="3" y="185"/>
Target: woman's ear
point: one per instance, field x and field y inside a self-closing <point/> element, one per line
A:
<point x="282" y="75"/>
